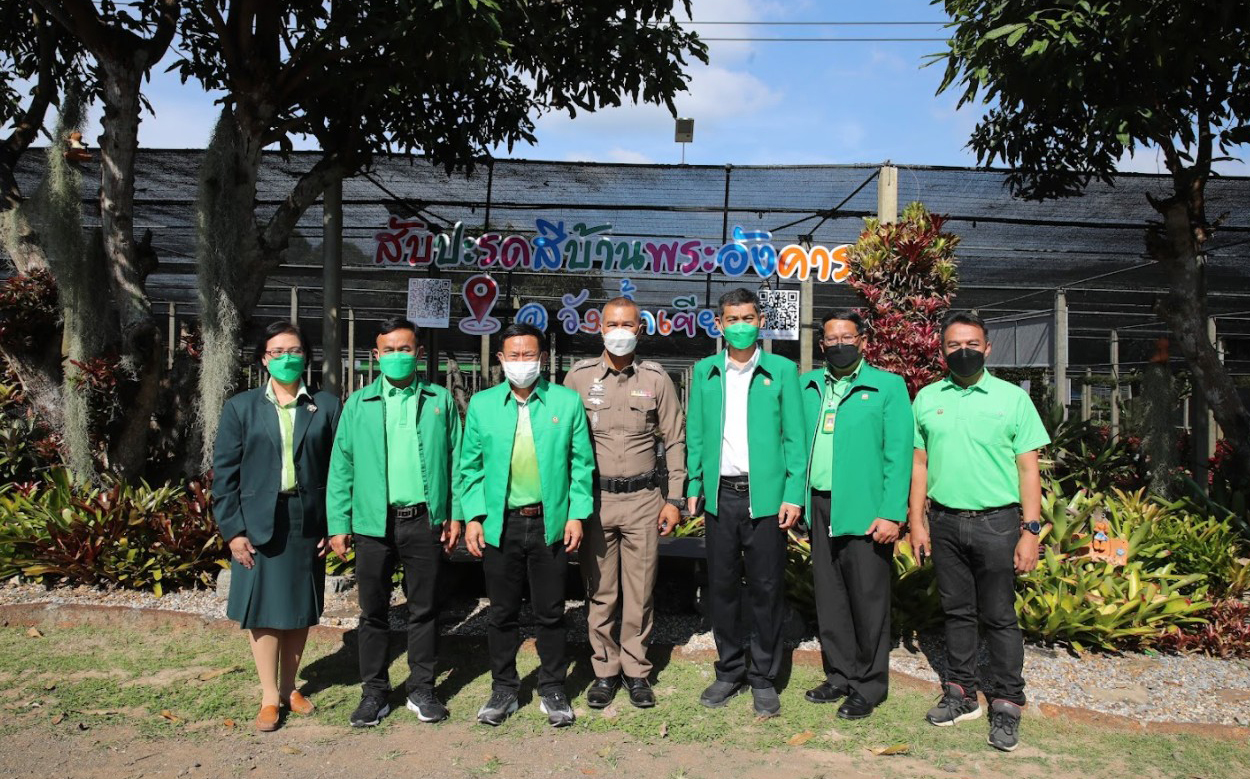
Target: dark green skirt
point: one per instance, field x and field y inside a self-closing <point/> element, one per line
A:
<point x="285" y="588"/>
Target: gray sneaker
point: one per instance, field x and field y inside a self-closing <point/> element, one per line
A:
<point x="767" y="703"/>
<point x="1004" y="726"/>
<point x="502" y="704"/>
<point x="555" y="704"/>
<point x="955" y="706"/>
<point x="718" y="693"/>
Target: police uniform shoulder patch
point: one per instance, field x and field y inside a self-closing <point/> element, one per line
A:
<point x="649" y="365"/>
<point x="587" y="363"/>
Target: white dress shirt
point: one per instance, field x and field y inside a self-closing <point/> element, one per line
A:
<point x="734" y="459"/>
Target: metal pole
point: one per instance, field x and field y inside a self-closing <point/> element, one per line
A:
<point x="172" y="341"/>
<point x="332" y="288"/>
<point x="484" y="343"/>
<point x="295" y="305"/>
<point x="351" y="350"/>
<point x="1062" y="394"/>
<point x="1115" y="383"/>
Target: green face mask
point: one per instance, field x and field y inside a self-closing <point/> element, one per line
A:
<point x="397" y="366"/>
<point x="740" y="335"/>
<point x="286" y="368"/>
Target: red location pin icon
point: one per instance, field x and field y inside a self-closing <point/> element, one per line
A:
<point x="480" y="293"/>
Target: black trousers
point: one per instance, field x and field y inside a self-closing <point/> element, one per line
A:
<point x="852" y="577"/>
<point x="736" y="542"/>
<point x="523" y="553"/>
<point x="974" y="558"/>
<point x="414" y="544"/>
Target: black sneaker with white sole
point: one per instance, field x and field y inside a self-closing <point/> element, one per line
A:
<point x="555" y="704"/>
<point x="955" y="706"/>
<point x="1004" y="726"/>
<point x="502" y="704"/>
<point x="426" y="705"/>
<point x="370" y="712"/>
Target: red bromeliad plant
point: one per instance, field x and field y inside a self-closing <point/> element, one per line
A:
<point x="905" y="272"/>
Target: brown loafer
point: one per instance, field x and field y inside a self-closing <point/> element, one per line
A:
<point x="298" y="704"/>
<point x="267" y="720"/>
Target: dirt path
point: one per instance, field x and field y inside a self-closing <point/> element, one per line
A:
<point x="450" y="751"/>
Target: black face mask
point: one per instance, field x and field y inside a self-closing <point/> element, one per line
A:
<point x="841" y="356"/>
<point x="965" y="363"/>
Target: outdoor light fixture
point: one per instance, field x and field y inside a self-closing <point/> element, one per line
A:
<point x="684" y="134"/>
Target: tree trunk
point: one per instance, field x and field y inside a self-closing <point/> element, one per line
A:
<point x="1175" y="247"/>
<point x="140" y="338"/>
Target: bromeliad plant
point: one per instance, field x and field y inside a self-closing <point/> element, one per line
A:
<point x="136" y="537"/>
<point x="905" y="272"/>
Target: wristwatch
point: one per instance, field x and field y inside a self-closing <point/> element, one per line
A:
<point x="1033" y="527"/>
<point x="678" y="502"/>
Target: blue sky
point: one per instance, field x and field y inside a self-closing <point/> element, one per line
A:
<point x="754" y="103"/>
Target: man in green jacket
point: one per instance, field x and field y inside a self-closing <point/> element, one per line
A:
<point x="859" y="436"/>
<point x="526" y="469"/>
<point x="390" y="494"/>
<point x="745" y="458"/>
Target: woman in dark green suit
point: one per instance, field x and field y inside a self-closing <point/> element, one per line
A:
<point x="269" y="475"/>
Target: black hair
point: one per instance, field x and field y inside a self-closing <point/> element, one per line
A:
<point x="522" y="329"/>
<point x="281" y="327"/>
<point x="846" y="315"/>
<point x="391" y="324"/>
<point x="737" y="297"/>
<point x="964" y="318"/>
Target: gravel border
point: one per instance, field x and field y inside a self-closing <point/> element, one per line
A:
<point x="1142" y="687"/>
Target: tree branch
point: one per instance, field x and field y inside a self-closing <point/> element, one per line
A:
<point x="277" y="231"/>
<point x="26" y="129"/>
<point x="82" y="21"/>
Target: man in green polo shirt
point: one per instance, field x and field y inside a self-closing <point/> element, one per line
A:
<point x="976" y="463"/>
<point x="859" y="432"/>
<point x="390" y="494"/>
<point x="526" y="469"/>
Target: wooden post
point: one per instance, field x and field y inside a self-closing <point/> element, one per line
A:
<point x="887" y="194"/>
<point x="1062" y="393"/>
<point x="331" y="287"/>
<point x="295" y="307"/>
<point x="1115" y="383"/>
<point x="1213" y="430"/>
<point x="171" y="343"/>
<point x="1087" y="396"/>
<point x="351" y="350"/>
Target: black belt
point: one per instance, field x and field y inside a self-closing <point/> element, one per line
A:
<point x="408" y="512"/>
<point x="970" y="512"/>
<point x="624" y="484"/>
<point x="736" y="483"/>
<point x="532" y="510"/>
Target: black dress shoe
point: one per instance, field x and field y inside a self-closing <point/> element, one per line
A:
<point x="640" y="692"/>
<point x="855" y="706"/>
<point x="825" y="693"/>
<point x="602" y="691"/>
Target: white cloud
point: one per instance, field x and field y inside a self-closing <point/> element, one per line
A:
<point x="618" y="154"/>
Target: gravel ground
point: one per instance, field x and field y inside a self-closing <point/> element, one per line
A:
<point x="1145" y="687"/>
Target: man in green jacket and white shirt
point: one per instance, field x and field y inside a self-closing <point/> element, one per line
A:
<point x="390" y="494"/>
<point x="526" y="470"/>
<point x="859" y="433"/>
<point x="745" y="458"/>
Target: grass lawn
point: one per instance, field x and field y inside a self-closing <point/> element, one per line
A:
<point x="184" y="685"/>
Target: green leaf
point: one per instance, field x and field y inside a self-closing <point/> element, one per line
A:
<point x="1006" y="29"/>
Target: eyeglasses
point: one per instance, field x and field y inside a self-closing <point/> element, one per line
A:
<point x="294" y="351"/>
<point x="845" y="339"/>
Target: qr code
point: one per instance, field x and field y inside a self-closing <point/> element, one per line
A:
<point x="429" y="302"/>
<point x="780" y="311"/>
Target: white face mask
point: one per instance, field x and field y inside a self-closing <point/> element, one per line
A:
<point x="620" y="341"/>
<point x="521" y="374"/>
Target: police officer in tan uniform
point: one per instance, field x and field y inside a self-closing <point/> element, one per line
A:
<point x="627" y="403"/>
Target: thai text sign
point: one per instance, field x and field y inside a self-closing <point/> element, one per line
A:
<point x="409" y="243"/>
